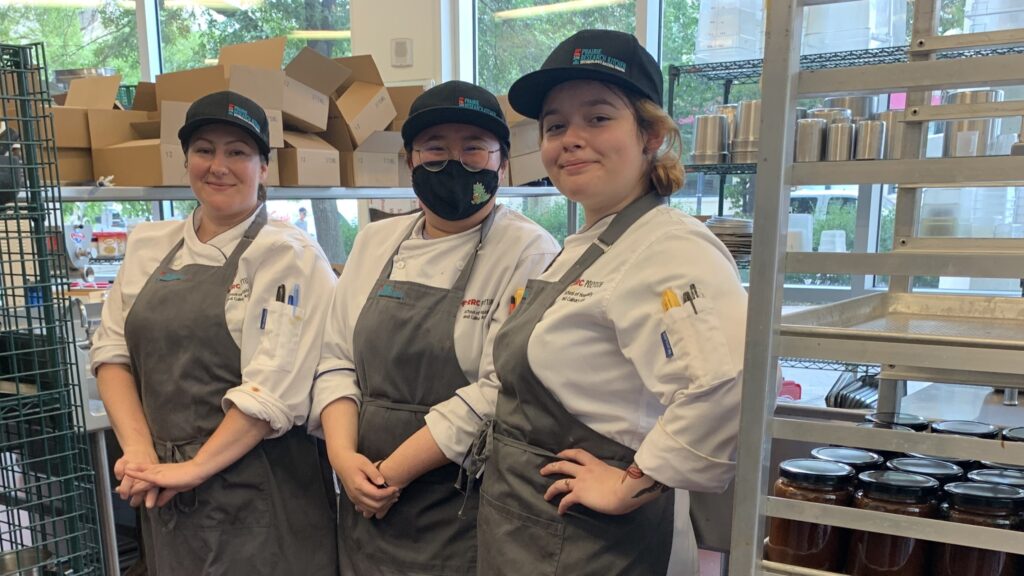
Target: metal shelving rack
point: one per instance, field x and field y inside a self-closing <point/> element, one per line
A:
<point x="47" y="494"/>
<point x="962" y="339"/>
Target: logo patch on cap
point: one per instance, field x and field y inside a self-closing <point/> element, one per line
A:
<point x="596" y="56"/>
<point x="243" y="115"/>
<point x="474" y="104"/>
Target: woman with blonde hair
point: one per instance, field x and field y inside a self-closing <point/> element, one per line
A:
<point x="620" y="369"/>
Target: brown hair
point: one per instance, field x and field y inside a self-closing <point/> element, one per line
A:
<point x="666" y="173"/>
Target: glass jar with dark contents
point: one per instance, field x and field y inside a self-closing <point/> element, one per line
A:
<point x="859" y="460"/>
<point x="1013" y="478"/>
<point x="808" y="544"/>
<point x="965" y="464"/>
<point x="892" y="492"/>
<point x="979" y="504"/>
<point x="944" y="472"/>
<point x="1014" y="434"/>
<point x="912" y="421"/>
<point x="966" y="428"/>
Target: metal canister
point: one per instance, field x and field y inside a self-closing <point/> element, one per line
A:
<point x="810" y="140"/>
<point x="729" y="111"/>
<point x="710" y="139"/>
<point x="831" y="115"/>
<point x="748" y="126"/>
<point x="860" y="107"/>
<point x="973" y="137"/>
<point x="892" y="149"/>
<point x="839" y="141"/>
<point x="870" y="140"/>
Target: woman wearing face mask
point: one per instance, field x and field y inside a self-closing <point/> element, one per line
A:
<point x="205" y="369"/>
<point x="620" y="369"/>
<point x="405" y="377"/>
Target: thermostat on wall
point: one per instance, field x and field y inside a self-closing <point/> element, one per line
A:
<point x="401" y="52"/>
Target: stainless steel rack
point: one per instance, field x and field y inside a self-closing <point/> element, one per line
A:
<point x="968" y="340"/>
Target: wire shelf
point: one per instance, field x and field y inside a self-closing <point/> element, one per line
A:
<point x="813" y="364"/>
<point x="47" y="493"/>
<point x="722" y="168"/>
<point x="749" y="71"/>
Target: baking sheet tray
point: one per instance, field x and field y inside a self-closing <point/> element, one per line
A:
<point x="941" y="320"/>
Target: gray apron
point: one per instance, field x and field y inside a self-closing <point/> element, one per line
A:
<point x="269" y="512"/>
<point x="404" y="347"/>
<point x="519" y="532"/>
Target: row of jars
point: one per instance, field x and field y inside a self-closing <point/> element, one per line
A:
<point x="983" y="494"/>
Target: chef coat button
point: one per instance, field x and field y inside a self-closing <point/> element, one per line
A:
<point x="400" y="265"/>
<point x="459" y="265"/>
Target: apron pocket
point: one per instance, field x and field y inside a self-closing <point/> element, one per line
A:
<point x="516" y="543"/>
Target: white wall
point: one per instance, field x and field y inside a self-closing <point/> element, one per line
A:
<point x="376" y="22"/>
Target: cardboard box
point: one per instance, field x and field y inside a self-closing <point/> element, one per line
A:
<point x="273" y="171"/>
<point x="74" y="165"/>
<point x="526" y="168"/>
<point x="338" y="136"/>
<point x="381" y="162"/>
<point x="308" y="160"/>
<point x="524" y="137"/>
<point x="253" y="70"/>
<point x="357" y="91"/>
<point x="119" y="148"/>
<point x="145" y="97"/>
<point x="71" y="121"/>
<point x="403" y="97"/>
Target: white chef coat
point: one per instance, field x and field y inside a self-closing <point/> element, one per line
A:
<point x="278" y="362"/>
<point x="666" y="384"/>
<point x="515" y="250"/>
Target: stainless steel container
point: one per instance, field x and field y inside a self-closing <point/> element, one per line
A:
<point x="729" y="111"/>
<point x="810" y="140"/>
<point x="870" y="140"/>
<point x="860" y="107"/>
<point x="973" y="137"/>
<point x="892" y="149"/>
<point x="710" y="139"/>
<point x="10" y="561"/>
<point x="831" y="115"/>
<point x="748" y="126"/>
<point x="839" y="143"/>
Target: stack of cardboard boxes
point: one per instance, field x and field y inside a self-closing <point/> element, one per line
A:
<point x="329" y="121"/>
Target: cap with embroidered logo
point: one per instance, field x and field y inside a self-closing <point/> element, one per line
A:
<point x="227" y="108"/>
<point x="601" y="55"/>
<point x="455" y="102"/>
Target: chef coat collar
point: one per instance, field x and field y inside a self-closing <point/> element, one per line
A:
<point x="222" y="243"/>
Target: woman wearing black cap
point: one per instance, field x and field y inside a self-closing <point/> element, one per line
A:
<point x="405" y="377"/>
<point x="204" y="361"/>
<point x="620" y="369"/>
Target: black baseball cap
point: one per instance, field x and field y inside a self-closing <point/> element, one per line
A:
<point x="455" y="102"/>
<point x="602" y="55"/>
<point x="227" y="108"/>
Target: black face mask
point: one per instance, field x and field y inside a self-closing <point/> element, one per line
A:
<point x="454" y="193"/>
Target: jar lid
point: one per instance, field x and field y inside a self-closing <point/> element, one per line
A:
<point x="912" y="421"/>
<point x="817" y="472"/>
<point x="1014" y="434"/>
<point x="966" y="428"/>
<point x="1003" y="477"/>
<point x="854" y="457"/>
<point x="984" y="495"/>
<point x="896" y="485"/>
<point x="885" y="426"/>
<point x="1001" y="465"/>
<point x="961" y="462"/>
<point x="937" y="469"/>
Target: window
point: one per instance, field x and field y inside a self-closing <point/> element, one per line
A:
<point x="192" y="31"/>
<point x="77" y="33"/>
<point x="514" y="37"/>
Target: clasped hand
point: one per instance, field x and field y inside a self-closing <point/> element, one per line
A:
<point x="145" y="480"/>
<point x="364" y="484"/>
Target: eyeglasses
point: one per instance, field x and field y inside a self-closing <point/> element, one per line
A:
<point x="473" y="158"/>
